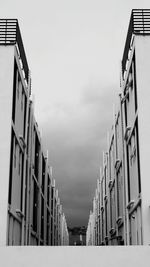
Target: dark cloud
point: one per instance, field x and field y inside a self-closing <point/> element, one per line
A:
<point x="76" y="136"/>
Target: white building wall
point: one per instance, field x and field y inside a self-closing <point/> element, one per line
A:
<point x="142" y="50"/>
<point x="23" y="220"/>
<point x="6" y="92"/>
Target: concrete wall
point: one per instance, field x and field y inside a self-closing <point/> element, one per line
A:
<point x="6" y="93"/>
<point x="142" y="50"/>
<point x="27" y="216"/>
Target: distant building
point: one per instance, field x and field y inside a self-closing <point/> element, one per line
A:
<point x="30" y="209"/>
<point x="77" y="236"/>
<point x="121" y="207"/>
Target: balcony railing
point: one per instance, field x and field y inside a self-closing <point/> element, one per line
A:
<point x="10" y="35"/>
<point x="140" y="25"/>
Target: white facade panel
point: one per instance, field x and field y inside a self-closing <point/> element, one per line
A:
<point x="6" y="93"/>
<point x="142" y="50"/>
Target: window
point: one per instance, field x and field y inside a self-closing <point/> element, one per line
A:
<point x="25" y="110"/>
<point x="120" y="192"/>
<point x="48" y="189"/>
<point x="14" y="90"/>
<point x="22" y="173"/>
<point x="18" y="86"/>
<point x="42" y="217"/>
<point x="138" y="156"/>
<point x="134" y="82"/>
<point x="15" y="151"/>
<point x="48" y="220"/>
<point x="112" y="206"/>
<point x="20" y="161"/>
<point x="133" y="164"/>
<point x="35" y="205"/>
<point x="102" y="192"/>
<point x="18" y="91"/>
<point x="22" y="99"/>
<point x="117" y="137"/>
<point x="106" y="218"/>
<point x="43" y="173"/>
<point x="36" y="157"/>
<point x="105" y="177"/>
<point x="132" y="149"/>
<point x="11" y="168"/>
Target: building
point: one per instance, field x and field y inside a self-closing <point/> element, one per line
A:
<point x="77" y="236"/>
<point x="121" y="207"/>
<point x="30" y="209"/>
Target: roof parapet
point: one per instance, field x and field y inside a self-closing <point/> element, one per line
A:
<point x="10" y="35"/>
<point x="139" y="25"/>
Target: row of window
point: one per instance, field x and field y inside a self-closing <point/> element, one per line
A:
<point x="34" y="207"/>
<point x="117" y="202"/>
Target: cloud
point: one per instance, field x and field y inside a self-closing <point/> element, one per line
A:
<point x="75" y="135"/>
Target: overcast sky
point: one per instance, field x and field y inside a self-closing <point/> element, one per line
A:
<point x="74" y="49"/>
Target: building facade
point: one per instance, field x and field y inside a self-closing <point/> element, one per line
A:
<point x="30" y="208"/>
<point x="77" y="236"/>
<point x="121" y="207"/>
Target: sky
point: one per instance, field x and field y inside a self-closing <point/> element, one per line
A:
<point x="74" y="51"/>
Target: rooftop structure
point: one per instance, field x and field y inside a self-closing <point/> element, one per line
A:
<point x="140" y="25"/>
<point x="10" y="35"/>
